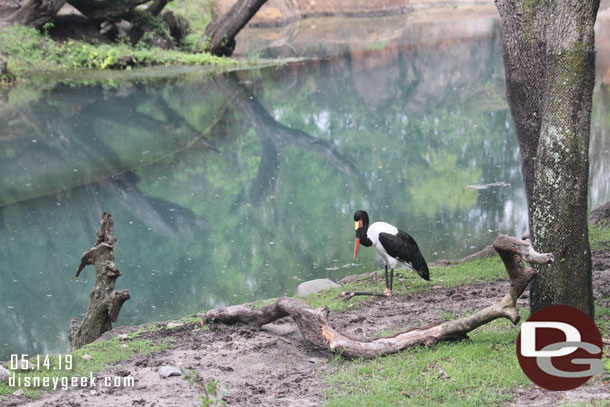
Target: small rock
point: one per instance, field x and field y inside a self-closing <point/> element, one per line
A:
<point x="86" y="357"/>
<point x="24" y="365"/>
<point x="313" y="286"/>
<point x="173" y="325"/>
<point x="123" y="336"/>
<point x="4" y="375"/>
<point x="18" y="393"/>
<point x="167" y="371"/>
<point x="93" y="392"/>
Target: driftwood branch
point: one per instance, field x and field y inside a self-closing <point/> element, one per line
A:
<point x="104" y="301"/>
<point x="316" y="328"/>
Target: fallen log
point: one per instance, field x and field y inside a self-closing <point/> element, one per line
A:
<point x="104" y="301"/>
<point x="316" y="328"/>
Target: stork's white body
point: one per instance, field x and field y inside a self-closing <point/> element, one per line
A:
<point x="373" y="234"/>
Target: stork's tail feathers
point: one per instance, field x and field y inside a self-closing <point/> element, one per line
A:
<point x="423" y="272"/>
<point x="420" y="266"/>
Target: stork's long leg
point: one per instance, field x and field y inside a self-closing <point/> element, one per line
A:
<point x="387" y="284"/>
<point x="391" y="279"/>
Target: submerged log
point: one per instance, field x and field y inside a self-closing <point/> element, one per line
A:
<point x="316" y="328"/>
<point x="104" y="301"/>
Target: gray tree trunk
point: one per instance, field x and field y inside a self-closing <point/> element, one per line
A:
<point x="549" y="59"/>
<point x="219" y="36"/>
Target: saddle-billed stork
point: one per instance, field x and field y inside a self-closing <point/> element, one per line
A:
<point x="393" y="245"/>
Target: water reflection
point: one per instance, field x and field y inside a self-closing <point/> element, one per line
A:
<point x="235" y="188"/>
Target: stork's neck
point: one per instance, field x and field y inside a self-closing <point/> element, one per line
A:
<point x="364" y="239"/>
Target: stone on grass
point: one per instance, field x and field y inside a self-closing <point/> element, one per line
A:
<point x="313" y="286"/>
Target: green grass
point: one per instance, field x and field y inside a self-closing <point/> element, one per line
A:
<point x="480" y="371"/>
<point x="599" y="236"/>
<point x="480" y="270"/>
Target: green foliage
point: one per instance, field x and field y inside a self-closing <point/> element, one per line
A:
<point x="199" y="15"/>
<point x="210" y="395"/>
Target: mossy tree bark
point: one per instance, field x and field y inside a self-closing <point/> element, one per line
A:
<point x="104" y="301"/>
<point x="549" y="63"/>
<point x="316" y="328"/>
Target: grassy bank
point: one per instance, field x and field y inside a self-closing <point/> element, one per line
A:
<point x="29" y="50"/>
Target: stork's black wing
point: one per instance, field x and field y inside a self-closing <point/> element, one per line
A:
<point x="403" y="247"/>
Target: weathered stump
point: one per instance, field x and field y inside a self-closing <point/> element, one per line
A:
<point x="104" y="301"/>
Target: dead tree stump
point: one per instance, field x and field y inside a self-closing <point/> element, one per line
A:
<point x="316" y="328"/>
<point x="104" y="301"/>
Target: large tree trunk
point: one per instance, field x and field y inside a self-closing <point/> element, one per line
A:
<point x="37" y="13"/>
<point x="104" y="302"/>
<point x="219" y="37"/>
<point x="316" y="328"/>
<point x="549" y="63"/>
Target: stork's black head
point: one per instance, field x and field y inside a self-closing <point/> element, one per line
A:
<point x="362" y="223"/>
<point x="361" y="216"/>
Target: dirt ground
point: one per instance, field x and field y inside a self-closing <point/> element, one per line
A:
<point x="276" y="366"/>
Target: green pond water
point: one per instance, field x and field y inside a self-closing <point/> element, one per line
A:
<point x="237" y="187"/>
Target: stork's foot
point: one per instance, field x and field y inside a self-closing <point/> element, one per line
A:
<point x="347" y="296"/>
<point x="388" y="292"/>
